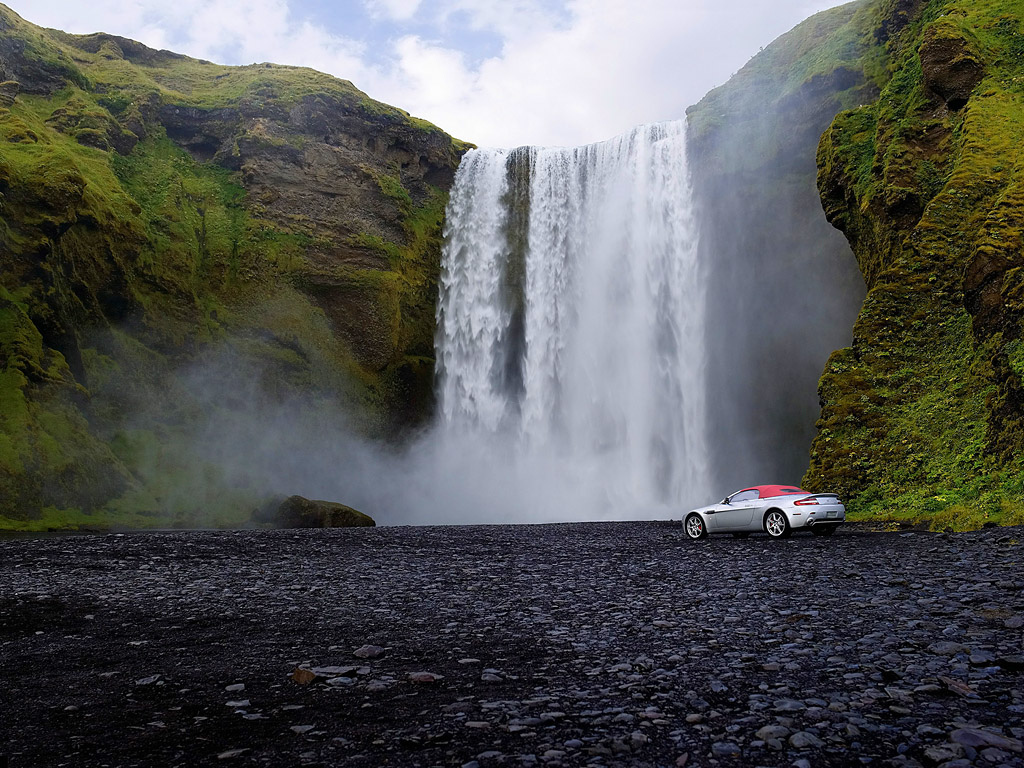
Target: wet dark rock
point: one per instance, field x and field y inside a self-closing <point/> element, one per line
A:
<point x="946" y="648"/>
<point x="943" y="753"/>
<point x="803" y="740"/>
<point x="424" y="677"/>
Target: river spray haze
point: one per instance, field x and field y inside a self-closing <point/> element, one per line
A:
<point x="583" y="370"/>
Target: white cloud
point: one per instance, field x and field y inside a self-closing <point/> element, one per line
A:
<point x="398" y="10"/>
<point x="511" y="19"/>
<point x="569" y="74"/>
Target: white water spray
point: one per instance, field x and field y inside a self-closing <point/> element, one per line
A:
<point x="571" y="328"/>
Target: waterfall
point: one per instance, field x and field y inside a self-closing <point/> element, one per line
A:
<point x="571" y="323"/>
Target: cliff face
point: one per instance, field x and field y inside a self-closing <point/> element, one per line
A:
<point x="156" y="208"/>
<point x="924" y="414"/>
<point x="783" y="286"/>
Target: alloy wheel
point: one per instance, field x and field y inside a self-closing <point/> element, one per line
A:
<point x="776" y="525"/>
<point x="695" y="527"/>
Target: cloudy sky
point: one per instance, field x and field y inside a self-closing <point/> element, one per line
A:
<point x="494" y="72"/>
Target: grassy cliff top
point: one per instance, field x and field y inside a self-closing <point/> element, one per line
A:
<point x="786" y="95"/>
<point x="129" y="72"/>
<point x="819" y="46"/>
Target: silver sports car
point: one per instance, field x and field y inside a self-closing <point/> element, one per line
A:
<point x="778" y="510"/>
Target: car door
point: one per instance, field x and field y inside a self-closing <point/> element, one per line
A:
<point x="738" y="514"/>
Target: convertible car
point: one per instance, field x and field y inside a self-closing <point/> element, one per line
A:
<point x="778" y="510"/>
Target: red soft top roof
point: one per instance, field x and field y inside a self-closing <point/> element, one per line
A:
<point x="767" y="491"/>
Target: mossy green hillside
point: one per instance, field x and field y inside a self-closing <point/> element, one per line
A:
<point x="134" y="246"/>
<point x="922" y="415"/>
<point x="780" y="98"/>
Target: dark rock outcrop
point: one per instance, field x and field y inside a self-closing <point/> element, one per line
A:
<point x="299" y="512"/>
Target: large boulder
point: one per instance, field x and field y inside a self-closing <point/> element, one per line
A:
<point x="300" y="512"/>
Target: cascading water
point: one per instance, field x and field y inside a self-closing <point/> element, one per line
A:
<point x="571" y="325"/>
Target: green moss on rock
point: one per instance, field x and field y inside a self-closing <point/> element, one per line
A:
<point x="921" y="418"/>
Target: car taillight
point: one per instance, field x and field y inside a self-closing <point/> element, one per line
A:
<point x="809" y="501"/>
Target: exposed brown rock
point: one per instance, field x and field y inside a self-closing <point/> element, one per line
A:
<point x="9" y="90"/>
<point x="322" y="169"/>
<point x="951" y="67"/>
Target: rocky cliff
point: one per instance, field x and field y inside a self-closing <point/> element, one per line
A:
<point x="923" y="416"/>
<point x="783" y="285"/>
<point x="179" y="238"/>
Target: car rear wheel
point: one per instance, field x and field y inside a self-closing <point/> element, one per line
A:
<point x="694" y="527"/>
<point x="823" y="530"/>
<point x="776" y="525"/>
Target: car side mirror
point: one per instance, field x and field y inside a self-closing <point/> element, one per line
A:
<point x="725" y="500"/>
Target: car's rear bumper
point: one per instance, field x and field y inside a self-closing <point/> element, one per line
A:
<point x="824" y="515"/>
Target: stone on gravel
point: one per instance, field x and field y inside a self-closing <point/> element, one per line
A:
<point x="941" y="753"/>
<point x="803" y="740"/>
<point x="368" y="652"/>
<point x="789" y="705"/>
<point x="725" y="749"/>
<point x="424" y="677"/>
<point x="772" y="732"/>
<point x="333" y="671"/>
<point x="977" y="737"/>
<point x="947" y="648"/>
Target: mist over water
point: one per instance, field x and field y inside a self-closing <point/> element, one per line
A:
<point x="571" y="330"/>
<point x="580" y="321"/>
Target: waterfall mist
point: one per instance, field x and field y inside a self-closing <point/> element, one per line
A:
<point x="596" y="359"/>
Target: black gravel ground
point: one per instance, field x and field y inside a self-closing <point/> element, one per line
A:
<point x="600" y="644"/>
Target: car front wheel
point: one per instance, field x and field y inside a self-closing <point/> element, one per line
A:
<point x="776" y="525"/>
<point x="694" y="527"/>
